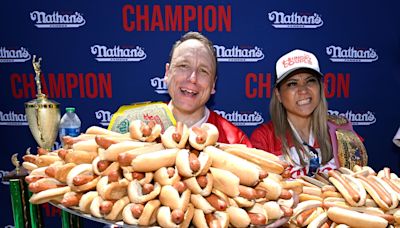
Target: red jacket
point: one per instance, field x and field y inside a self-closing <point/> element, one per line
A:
<point x="228" y="132"/>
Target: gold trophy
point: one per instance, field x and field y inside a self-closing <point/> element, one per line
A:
<point x="43" y="114"/>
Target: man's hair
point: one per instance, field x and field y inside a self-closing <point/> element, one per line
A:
<point x="200" y="37"/>
<point x="319" y="126"/>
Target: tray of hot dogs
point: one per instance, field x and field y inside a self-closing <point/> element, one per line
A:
<point x="183" y="177"/>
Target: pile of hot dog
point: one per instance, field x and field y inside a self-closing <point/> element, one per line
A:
<point x="183" y="177"/>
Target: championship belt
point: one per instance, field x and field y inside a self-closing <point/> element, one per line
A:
<point x="351" y="150"/>
<point x="146" y="111"/>
<point x="348" y="150"/>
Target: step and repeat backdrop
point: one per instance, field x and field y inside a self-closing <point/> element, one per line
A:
<point x="99" y="55"/>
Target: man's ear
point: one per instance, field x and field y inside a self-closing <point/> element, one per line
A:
<point x="213" y="88"/>
<point x="166" y="74"/>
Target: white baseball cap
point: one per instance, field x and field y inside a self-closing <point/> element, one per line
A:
<point x="294" y="60"/>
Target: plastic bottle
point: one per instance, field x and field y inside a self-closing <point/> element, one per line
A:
<point x="70" y="124"/>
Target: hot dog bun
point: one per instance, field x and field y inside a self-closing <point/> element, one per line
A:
<point x="48" y="195"/>
<point x="170" y="197"/>
<point x="208" y="136"/>
<point x="135" y="192"/>
<point x="167" y="138"/>
<point x="355" y="219"/>
<point x="147" y="217"/>
<point x="165" y="217"/>
<point x="225" y="181"/>
<point x="183" y="163"/>
<point x="150" y="162"/>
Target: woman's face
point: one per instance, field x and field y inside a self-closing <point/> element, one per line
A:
<point x="299" y="94"/>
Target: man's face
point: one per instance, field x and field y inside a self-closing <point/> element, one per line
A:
<point x="190" y="76"/>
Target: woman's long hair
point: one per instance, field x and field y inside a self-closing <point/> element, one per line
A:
<point x="319" y="127"/>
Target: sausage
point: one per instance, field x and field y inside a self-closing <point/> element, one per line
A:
<point x="202" y="181"/>
<point x="216" y="202"/>
<point x="71" y="200"/>
<point x="247" y="192"/>
<point x="260" y="193"/>
<point x="30" y="158"/>
<point x="38" y="187"/>
<point x="180" y="186"/>
<point x="104" y="142"/>
<point x="103" y="165"/>
<point x="113" y="176"/>
<point x="137" y="210"/>
<point x="177" y="216"/>
<point x="82" y="179"/>
<point x="177" y="135"/>
<point x="31" y="179"/>
<point x="385" y="196"/>
<point x="170" y="172"/>
<point x="106" y="207"/>
<point x="137" y="175"/>
<point x="390" y="183"/>
<point x="201" y="134"/>
<point x="125" y="159"/>
<point x="304" y="215"/>
<point x="285" y="194"/>
<point x="353" y="193"/>
<point x="287" y="211"/>
<point x="147" y="188"/>
<point x="50" y="171"/>
<point x="212" y="221"/>
<point x="42" y="151"/>
<point x="263" y="174"/>
<point x="257" y="219"/>
<point x="147" y="128"/>
<point x="194" y="162"/>
<point x="62" y="153"/>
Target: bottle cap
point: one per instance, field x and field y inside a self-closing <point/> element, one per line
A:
<point x="70" y="109"/>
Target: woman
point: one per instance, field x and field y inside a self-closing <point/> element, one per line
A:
<point x="300" y="130"/>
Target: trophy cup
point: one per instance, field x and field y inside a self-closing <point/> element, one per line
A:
<point x="43" y="114"/>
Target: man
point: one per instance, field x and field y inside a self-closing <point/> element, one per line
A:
<point x="191" y="76"/>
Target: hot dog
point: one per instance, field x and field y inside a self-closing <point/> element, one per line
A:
<point x="212" y="220"/>
<point x="71" y="199"/>
<point x="175" y="136"/>
<point x="380" y="191"/>
<point x="142" y="193"/>
<point x="77" y="181"/>
<point x="112" y="152"/>
<point x="145" y="132"/>
<point x="32" y="162"/>
<point x="205" y="135"/>
<point x="175" y="218"/>
<point x="47" y="189"/>
<point x="111" y="210"/>
<point x="354" y="193"/>
<point x="167" y="176"/>
<point x="225" y="181"/>
<point x="139" y="214"/>
<point x="174" y="197"/>
<point x="86" y="201"/>
<point x="112" y="190"/>
<point x="96" y="130"/>
<point x="189" y="164"/>
<point x="104" y="167"/>
<point x="201" y="184"/>
<point x="354" y="218"/>
<point x="150" y="162"/>
<point x="249" y="174"/>
<point x="77" y="156"/>
<point x="238" y="217"/>
<point x="265" y="160"/>
<point x="59" y="171"/>
<point x="125" y="158"/>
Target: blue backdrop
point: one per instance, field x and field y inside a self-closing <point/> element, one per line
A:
<point x="100" y="55"/>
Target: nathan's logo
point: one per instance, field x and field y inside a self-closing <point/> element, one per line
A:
<point x="159" y="85"/>
<point x="295" y="20"/>
<point x="117" y="54"/>
<point x="104" y="116"/>
<point x="238" y="54"/>
<point x="351" y="54"/>
<point x="366" y="118"/>
<point x="243" y="118"/>
<point x="57" y="20"/>
<point x="12" y="119"/>
<point x="3" y="173"/>
<point x="14" y="55"/>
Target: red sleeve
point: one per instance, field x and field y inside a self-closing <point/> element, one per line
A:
<point x="263" y="137"/>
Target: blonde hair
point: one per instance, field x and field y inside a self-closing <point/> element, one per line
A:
<point x="319" y="126"/>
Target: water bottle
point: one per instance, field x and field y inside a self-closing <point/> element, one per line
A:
<point x="70" y="124"/>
